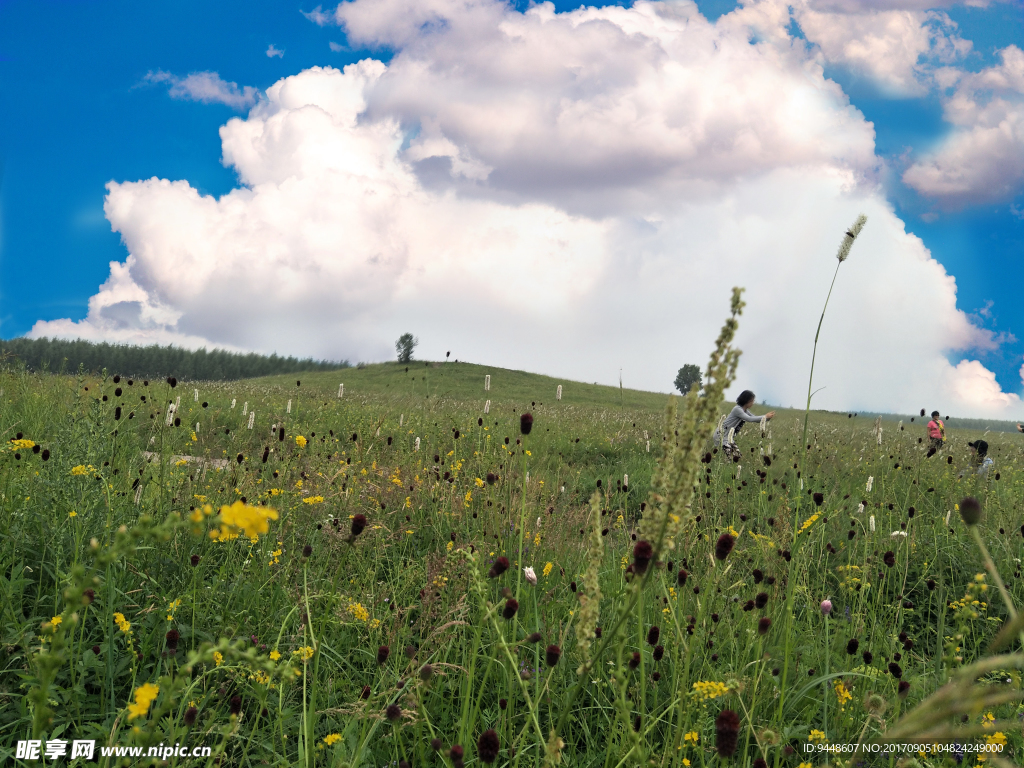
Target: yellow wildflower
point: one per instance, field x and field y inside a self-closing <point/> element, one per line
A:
<point x="26" y="444"/>
<point x="331" y="738"/>
<point x="305" y="653"/>
<point x="144" y="696"/>
<point x="358" y="611"/>
<point x="843" y="694"/>
<point x="479" y="483"/>
<point x="218" y="658"/>
<point x="300" y="441"/>
<point x="79" y="470"/>
<point x="72" y="513"/>
<point x="691" y="736"/>
<point x="240" y="517"/>
<point x="313" y="500"/>
<point x="122" y="624"/>
<point x="706" y="690"/>
<point x="816" y="735"/>
<point x="275" y="655"/>
<point x="547" y="569"/>
<point x="55" y="622"/>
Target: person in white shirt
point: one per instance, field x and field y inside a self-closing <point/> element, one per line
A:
<point x="738" y="416"/>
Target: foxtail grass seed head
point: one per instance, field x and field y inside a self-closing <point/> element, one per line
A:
<point x="871" y="481"/>
<point x="417" y="444"/>
<point x="499" y="567"/>
<point x="530" y="575"/>
<point x="341" y="391"/>
<point x="487" y="746"/>
<point x="487" y="385"/>
<point x="487" y="407"/>
<point x="849" y="237"/>
<point x="526" y="423"/>
<point x="727" y="730"/>
<point x="289" y="407"/>
<point x="724" y="546"/>
<point x="970" y="511"/>
<point x="871" y="523"/>
<point x="558" y="392"/>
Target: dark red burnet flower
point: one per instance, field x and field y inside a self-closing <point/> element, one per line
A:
<point x="763" y="625"/>
<point x="358" y="524"/>
<point x="88" y="595"/>
<point x="724" y="546"/>
<point x="194" y="560"/>
<point x="895" y="670"/>
<point x="435" y="744"/>
<point x="727" y="731"/>
<point x="499" y="567"/>
<point x="365" y="693"/>
<point x="526" y="423"/>
<point x="393" y="712"/>
<point x="172" y="638"/>
<point x="235" y="705"/>
<point x="634" y="660"/>
<point x="970" y="511"/>
<point x="819" y="499"/>
<point x="903" y="689"/>
<point x="760" y="763"/>
<point x="491" y="478"/>
<point x="659" y="652"/>
<point x="511" y="606"/>
<point x="643" y="553"/>
<point x="852" y="646"/>
<point x="487" y="746"/>
<point x="190" y="716"/>
<point x="682" y="576"/>
<point x="761" y="600"/>
<point x="382" y="654"/>
<point x="889" y="558"/>
<point x="652" y="635"/>
<point x="552" y="654"/>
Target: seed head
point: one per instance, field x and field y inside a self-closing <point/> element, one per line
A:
<point x="652" y="635"/>
<point x="382" y="654"/>
<point x="761" y="600"/>
<point x="511" y="606"/>
<point x="763" y="625"/>
<point x="849" y="237"/>
<point x="526" y="423"/>
<point x="190" y="715"/>
<point x="643" y="552"/>
<point x="358" y="524"/>
<point x="659" y="652"/>
<point x="393" y="712"/>
<point x="852" y="646"/>
<point x="552" y="654"/>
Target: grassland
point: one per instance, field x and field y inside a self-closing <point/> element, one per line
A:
<point x="139" y="607"/>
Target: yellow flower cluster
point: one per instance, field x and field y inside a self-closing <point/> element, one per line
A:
<point x="260" y="677"/>
<point x="843" y="695"/>
<point x="358" y="611"/>
<point x="547" y="569"/>
<point x="816" y="735"/>
<point x="331" y="738"/>
<point x="313" y="500"/>
<point x="123" y="624"/>
<point x="144" y="696"/>
<point x="705" y="690"/>
<point x="300" y="441"/>
<point x="82" y="469"/>
<point x="174" y="605"/>
<point x="809" y="522"/>
<point x="691" y="736"/>
<point x="275" y="556"/>
<point x="275" y="655"/>
<point x="242" y="518"/>
<point x="218" y="658"/>
<point x="305" y="653"/>
<point x="25" y="443"/>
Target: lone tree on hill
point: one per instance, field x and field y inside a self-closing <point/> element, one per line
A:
<point x="688" y="375"/>
<point x="404" y="346"/>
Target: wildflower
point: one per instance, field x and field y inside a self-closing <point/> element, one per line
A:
<point x="240" y="517"/>
<point x="393" y="712"/>
<point x="681" y="577"/>
<point x="332" y="738"/>
<point x="903" y="689"/>
<point x="552" y="654"/>
<point x="358" y="524"/>
<point x="313" y="500"/>
<point x="426" y="672"/>
<point x="889" y="558"/>
<point x="871" y="481"/>
<point x="871" y="522"/>
<point x="145" y="695"/>
<point x="491" y="478"/>
<point x="763" y="625"/>
<point x="727" y="729"/>
<point x="172" y="638"/>
<point x="275" y="655"/>
<point x="819" y="498"/>
<point x="895" y="670"/>
<point x="851" y="647"/>
<point x="487" y="746"/>
<point x="534" y="637"/>
<point x="691" y="737"/>
<point x="634" y="660"/>
<point x="526" y="423"/>
<point x="706" y="690"/>
<point x="530" y="575"/>
<point x="761" y="600"/>
<point x="194" y="560"/>
<point x="970" y="511"/>
<point x="72" y="513"/>
<point x="659" y="652"/>
<point x="218" y="658"/>
<point x="652" y="635"/>
<point x="816" y="735"/>
<point x="826" y="607"/>
<point x="724" y="546"/>
<point x="122" y="624"/>
<point x="79" y="470"/>
<point x="499" y="567"/>
<point x="55" y="622"/>
<point x="190" y="715"/>
<point x="235" y="705"/>
<point x="547" y="569"/>
<point x="842" y="694"/>
<point x="511" y="606"/>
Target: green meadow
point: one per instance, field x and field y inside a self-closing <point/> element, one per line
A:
<point x="292" y="574"/>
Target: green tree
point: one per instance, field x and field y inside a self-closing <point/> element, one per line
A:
<point x="404" y="346"/>
<point x="688" y="375"/>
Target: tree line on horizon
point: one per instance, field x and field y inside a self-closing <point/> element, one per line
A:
<point x="153" y="361"/>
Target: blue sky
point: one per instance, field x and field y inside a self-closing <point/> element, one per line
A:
<point x="79" y="113"/>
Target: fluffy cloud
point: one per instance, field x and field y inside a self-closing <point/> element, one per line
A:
<point x="569" y="193"/>
<point x="896" y="48"/>
<point x="273" y="51"/>
<point x="206" y="87"/>
<point x="982" y="160"/>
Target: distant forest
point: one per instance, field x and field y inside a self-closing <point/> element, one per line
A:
<point x="65" y="356"/>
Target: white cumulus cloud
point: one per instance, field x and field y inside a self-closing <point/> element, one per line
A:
<point x="571" y="193"/>
<point x="982" y="159"/>
<point x="207" y="88"/>
<point x="273" y="51"/>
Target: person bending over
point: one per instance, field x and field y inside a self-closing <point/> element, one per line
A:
<point x="981" y="462"/>
<point x="725" y="435"/>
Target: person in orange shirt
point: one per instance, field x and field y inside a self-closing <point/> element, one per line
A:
<point x="937" y="433"/>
